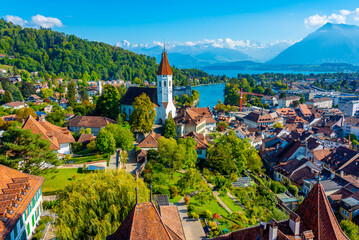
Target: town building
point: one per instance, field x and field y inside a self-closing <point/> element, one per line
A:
<point x="351" y="125"/>
<point x="15" y="105"/>
<point x="161" y="97"/>
<point x="270" y="100"/>
<point x="258" y="119"/>
<point x="349" y="108"/>
<point x="145" y="221"/>
<point x="20" y="203"/>
<point x="33" y="98"/>
<point x="188" y="120"/>
<point x="305" y="111"/>
<point x="60" y="138"/>
<point x="324" y="102"/>
<point x="96" y="123"/>
<point x="201" y="144"/>
<point x="287" y="101"/>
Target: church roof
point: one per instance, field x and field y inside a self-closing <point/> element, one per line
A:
<point x="134" y="92"/>
<point x="143" y="222"/>
<point x="317" y="215"/>
<point x="164" y="68"/>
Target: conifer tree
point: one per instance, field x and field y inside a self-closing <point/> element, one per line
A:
<point x="170" y="127"/>
<point x="8" y="97"/>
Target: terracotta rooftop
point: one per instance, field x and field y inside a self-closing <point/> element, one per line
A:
<point x="144" y="222"/>
<point x="85" y="138"/>
<point x="201" y="142"/>
<point x="317" y="215"/>
<point x="150" y="141"/>
<point x="54" y="134"/>
<point x="13" y="185"/>
<point x="89" y="121"/>
<point x="164" y="68"/>
<point x="171" y="219"/>
<point x="305" y="110"/>
<point x="14" y="104"/>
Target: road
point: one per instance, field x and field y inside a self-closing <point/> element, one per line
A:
<point x="193" y="229"/>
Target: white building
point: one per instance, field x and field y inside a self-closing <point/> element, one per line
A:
<point x="349" y="108"/>
<point x="270" y="100"/>
<point x="161" y="97"/>
<point x="324" y="102"/>
<point x="351" y="125"/>
<point x="287" y="101"/>
<point x="24" y="216"/>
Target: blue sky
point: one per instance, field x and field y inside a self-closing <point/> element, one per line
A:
<point x="185" y="20"/>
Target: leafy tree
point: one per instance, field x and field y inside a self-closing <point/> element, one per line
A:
<point x="143" y="116"/>
<point x="278" y="125"/>
<point x="27" y="152"/>
<point x="15" y="93"/>
<point x="89" y="208"/>
<point x="71" y="93"/>
<point x="204" y="193"/>
<point x="190" y="180"/>
<point x="124" y="137"/>
<point x="57" y="117"/>
<point x="170" y="127"/>
<point x="108" y="103"/>
<point x="8" y="97"/>
<point x="170" y="153"/>
<point x="350" y="229"/>
<point x="293" y="190"/>
<point x="24" y="113"/>
<point x="190" y="154"/>
<point x="105" y="142"/>
<point x="83" y="94"/>
<point x="46" y="92"/>
<point x="27" y="89"/>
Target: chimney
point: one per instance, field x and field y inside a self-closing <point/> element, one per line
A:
<point x="294" y="223"/>
<point x="307" y="235"/>
<point x="332" y="175"/>
<point x="136" y="195"/>
<point x="262" y="228"/>
<point x="273" y="230"/>
<point x="341" y="173"/>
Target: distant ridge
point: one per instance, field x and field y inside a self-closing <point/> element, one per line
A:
<point x="331" y="43"/>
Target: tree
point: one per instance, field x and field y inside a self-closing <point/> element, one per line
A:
<point x="190" y="154"/>
<point x="204" y="193"/>
<point x="8" y="97"/>
<point x="89" y="208"/>
<point x="170" y="153"/>
<point x="71" y="93"/>
<point x="143" y="116"/>
<point x="27" y="89"/>
<point x="350" y="229"/>
<point x="190" y="180"/>
<point x="293" y="190"/>
<point x="57" y="117"/>
<point x="46" y="92"/>
<point x="24" y="113"/>
<point x="170" y="127"/>
<point x="278" y="125"/>
<point x="105" y="142"/>
<point x="108" y="103"/>
<point x="27" y="152"/>
<point x="123" y="137"/>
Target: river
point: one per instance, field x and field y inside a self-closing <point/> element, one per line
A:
<point x="210" y="94"/>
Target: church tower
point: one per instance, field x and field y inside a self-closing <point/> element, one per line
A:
<point x="164" y="90"/>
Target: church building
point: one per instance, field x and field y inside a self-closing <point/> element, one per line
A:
<point x="161" y="97"/>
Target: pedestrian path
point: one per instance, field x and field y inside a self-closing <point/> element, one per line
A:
<point x="193" y="229"/>
<point x="216" y="195"/>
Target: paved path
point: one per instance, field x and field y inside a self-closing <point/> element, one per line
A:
<point x="193" y="229"/>
<point x="236" y="200"/>
<point x="131" y="165"/>
<point x="112" y="163"/>
<point x="49" y="198"/>
<point x="216" y="194"/>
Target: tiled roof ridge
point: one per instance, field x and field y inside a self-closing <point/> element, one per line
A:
<point x="164" y="68"/>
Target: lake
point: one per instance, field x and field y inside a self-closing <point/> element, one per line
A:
<point x="210" y="94"/>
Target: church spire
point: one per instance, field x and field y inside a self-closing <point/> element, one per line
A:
<point x="164" y="68"/>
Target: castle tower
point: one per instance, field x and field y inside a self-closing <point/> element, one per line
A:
<point x="164" y="90"/>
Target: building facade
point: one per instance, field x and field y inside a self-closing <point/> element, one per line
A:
<point x="349" y="108"/>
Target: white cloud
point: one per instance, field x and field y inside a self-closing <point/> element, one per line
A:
<point x="345" y="12"/>
<point x="337" y="18"/>
<point x="46" y="22"/>
<point x="15" y="19"/>
<point x="315" y="20"/>
<point x="36" y="21"/>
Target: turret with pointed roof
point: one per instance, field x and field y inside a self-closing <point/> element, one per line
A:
<point x="317" y="215"/>
<point x="164" y="68"/>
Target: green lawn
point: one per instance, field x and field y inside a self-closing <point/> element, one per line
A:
<point x="59" y="179"/>
<point x="176" y="176"/>
<point x="176" y="199"/>
<point x="212" y="206"/>
<point x="231" y="204"/>
<point x="6" y="67"/>
<point x="92" y="158"/>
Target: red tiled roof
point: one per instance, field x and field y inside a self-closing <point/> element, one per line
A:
<point x="164" y="68"/>
<point x="150" y="141"/>
<point x="8" y="177"/>
<point x="143" y="222"/>
<point x="89" y="121"/>
<point x="14" y="104"/>
<point x="317" y="215"/>
<point x="171" y="219"/>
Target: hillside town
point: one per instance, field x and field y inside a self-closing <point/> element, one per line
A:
<point x="146" y="158"/>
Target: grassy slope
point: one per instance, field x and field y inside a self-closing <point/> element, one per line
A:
<point x="58" y="180"/>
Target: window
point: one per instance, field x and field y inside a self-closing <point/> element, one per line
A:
<point x="28" y="229"/>
<point x="15" y="231"/>
<point x="164" y="83"/>
<point x="21" y="222"/>
<point x="33" y="220"/>
<point x="345" y="213"/>
<point x="169" y="83"/>
<point x="159" y="83"/>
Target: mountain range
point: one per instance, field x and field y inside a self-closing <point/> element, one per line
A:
<point x="331" y="43"/>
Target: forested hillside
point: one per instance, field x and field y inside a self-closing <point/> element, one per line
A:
<point x="68" y="56"/>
